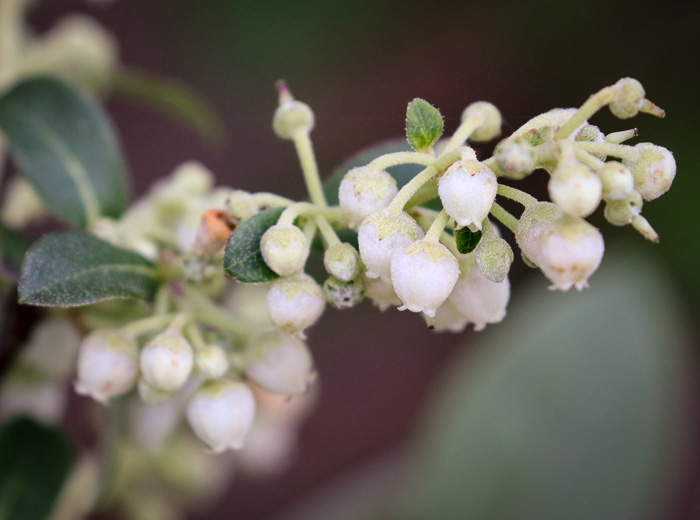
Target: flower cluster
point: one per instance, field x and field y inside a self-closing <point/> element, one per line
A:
<point x="227" y="357"/>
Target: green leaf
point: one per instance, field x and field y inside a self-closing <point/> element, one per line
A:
<point x="77" y="268"/>
<point x="242" y="257"/>
<point x="13" y="246"/>
<point x="570" y="409"/>
<point x="174" y="99"/>
<point x="64" y="145"/>
<point x="35" y="460"/>
<point x="467" y="240"/>
<point x="423" y="125"/>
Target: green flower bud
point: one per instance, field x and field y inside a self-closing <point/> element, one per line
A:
<point x="618" y="181"/>
<point x="342" y="261"/>
<point x="490" y="128"/>
<point x="494" y="258"/>
<point x="291" y="117"/>
<point x="343" y="295"/>
<point x="285" y="249"/>
<point x="630" y="95"/>
<point x="622" y="212"/>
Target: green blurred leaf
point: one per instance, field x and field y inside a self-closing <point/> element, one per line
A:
<point x="77" y="268"/>
<point x="35" y="460"/>
<point x="242" y="257"/>
<point x="13" y="246"/>
<point x="174" y="99"/>
<point x="467" y="240"/>
<point x="567" y="410"/>
<point x="64" y="145"/>
<point x="424" y="125"/>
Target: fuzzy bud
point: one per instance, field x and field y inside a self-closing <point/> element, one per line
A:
<point x="285" y="249"/>
<point x="166" y="361"/>
<point x="364" y="191"/>
<point x="382" y="234"/>
<point x="211" y="361"/>
<point x="342" y="261"/>
<point x="467" y="191"/>
<point x="617" y="180"/>
<point x="654" y="172"/>
<point x="576" y="189"/>
<point x="423" y="275"/>
<point x="622" y="212"/>
<point x="515" y="158"/>
<point x="241" y="205"/>
<point x="630" y="95"/>
<point x="494" y="258"/>
<point x="490" y="128"/>
<point x="341" y="294"/>
<point x="107" y="365"/>
<point x="221" y="413"/>
<point x="291" y="117"/>
<point x="281" y="364"/>
<point x="295" y="303"/>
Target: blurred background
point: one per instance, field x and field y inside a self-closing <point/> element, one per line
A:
<point x="357" y="64"/>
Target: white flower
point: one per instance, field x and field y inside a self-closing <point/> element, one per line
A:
<point x="478" y="299"/>
<point x="295" y="303"/>
<point x="655" y="171"/>
<point x="575" y="188"/>
<point x="280" y="364"/>
<point x="285" y="249"/>
<point x="211" y="361"/>
<point x="448" y="318"/>
<point x="107" y="365"/>
<point x="467" y="191"/>
<point x="166" y="362"/>
<point x="567" y="250"/>
<point x="380" y="236"/>
<point x="381" y="293"/>
<point x="221" y="413"/>
<point x="423" y="275"/>
<point x="364" y="191"/>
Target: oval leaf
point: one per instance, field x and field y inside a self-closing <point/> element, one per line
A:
<point x="34" y="462"/>
<point x="64" y="145"/>
<point x="76" y="268"/>
<point x="467" y="240"/>
<point x="423" y="125"/>
<point x="242" y="257"/>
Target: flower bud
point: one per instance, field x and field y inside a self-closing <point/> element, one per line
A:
<point x="380" y="235"/>
<point x="342" y="261"/>
<point x="166" y="361"/>
<point x="622" y="212"/>
<point x="221" y="413"/>
<point x="364" y="191"/>
<point x="490" y="128"/>
<point x="617" y="180"/>
<point x="654" y="172"/>
<point x="381" y="293"/>
<point x="478" y="299"/>
<point x="423" y="275"/>
<point x="241" y="205"/>
<point x="343" y="295"/>
<point x="467" y="191"/>
<point x="151" y="395"/>
<point x="211" y="361"/>
<point x="295" y="303"/>
<point x="531" y="223"/>
<point x="629" y="98"/>
<point x="281" y="364"/>
<point x="590" y="133"/>
<point x="107" y="365"/>
<point x="494" y="258"/>
<point x="576" y="189"/>
<point x="568" y="251"/>
<point x="515" y="158"/>
<point x="285" y="249"/>
<point x="291" y="117"/>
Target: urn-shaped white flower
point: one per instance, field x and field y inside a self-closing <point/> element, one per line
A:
<point x="211" y="361"/>
<point x="654" y="172"/>
<point x="567" y="250"/>
<point x="424" y="274"/>
<point x="467" y="191"/>
<point x="166" y="361"/>
<point x="295" y="303"/>
<point x="575" y="188"/>
<point x="364" y="191"/>
<point x="284" y="249"/>
<point x="381" y="293"/>
<point x="107" y="365"/>
<point x="380" y="236"/>
<point x="221" y="413"/>
<point x="281" y="364"/>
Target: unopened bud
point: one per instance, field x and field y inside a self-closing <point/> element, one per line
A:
<point x="515" y="158"/>
<point x="342" y="261"/>
<point x="617" y="180"/>
<point x="341" y="294"/>
<point x="291" y="117"/>
<point x="280" y="364"/>
<point x="467" y="191"/>
<point x="211" y="361"/>
<point x="630" y="95"/>
<point x="166" y="361"/>
<point x="295" y="303"/>
<point x="576" y="189"/>
<point x="494" y="258"/>
<point x="654" y="172"/>
<point x="221" y="413"/>
<point x="364" y="191"/>
<point x="284" y="249"/>
<point x="241" y="205"/>
<point x="490" y="128"/>
<point x="622" y="212"/>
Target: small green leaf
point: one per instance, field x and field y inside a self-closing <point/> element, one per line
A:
<point x="35" y="460"/>
<point x="423" y="125"/>
<point x="242" y="257"/>
<point x="172" y="98"/>
<point x="76" y="268"/>
<point x="64" y="145"/>
<point x="467" y="240"/>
